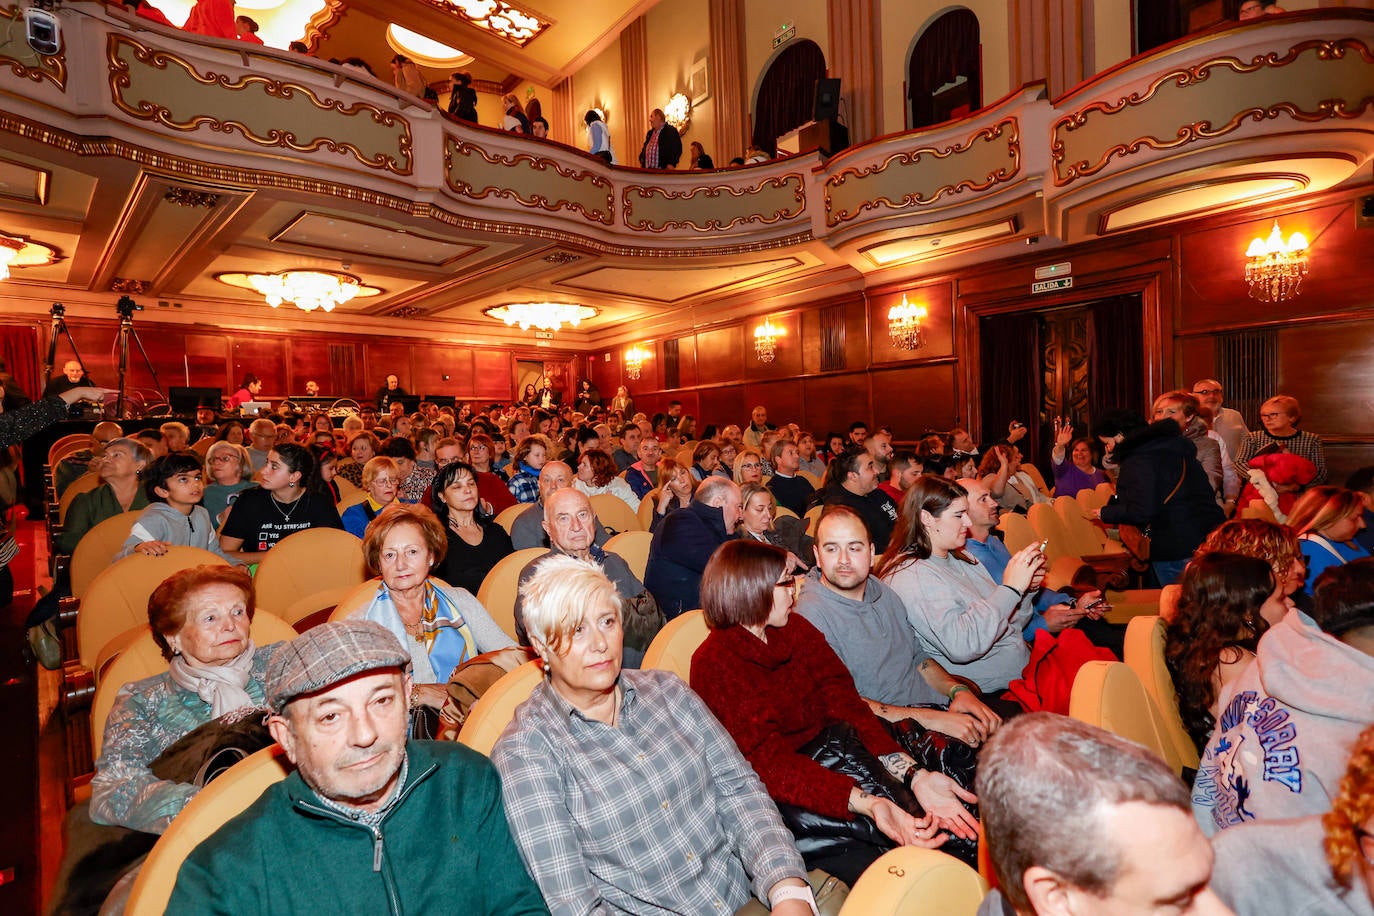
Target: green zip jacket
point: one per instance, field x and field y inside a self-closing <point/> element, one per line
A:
<point x="443" y="848"/>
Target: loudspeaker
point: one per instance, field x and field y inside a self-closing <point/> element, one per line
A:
<point x="827" y="99"/>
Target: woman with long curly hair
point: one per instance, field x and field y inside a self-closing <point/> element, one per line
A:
<point x="1264" y="540"/>
<point x="1327" y="520"/>
<point x="1227" y="603"/>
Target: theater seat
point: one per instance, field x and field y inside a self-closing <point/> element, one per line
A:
<point x="215" y="805"/>
<point x="83" y="484"/>
<point x="1110" y="696"/>
<point x="305" y="563"/>
<point x="1144" y="651"/>
<point x="911" y="881"/>
<point x="492" y="712"/>
<point x="97" y="547"/>
<point x="672" y="647"/>
<point x="614" y="513"/>
<point x="499" y="588"/>
<point x="633" y="548"/>
<point x="507" y="516"/>
<point x="646" y="508"/>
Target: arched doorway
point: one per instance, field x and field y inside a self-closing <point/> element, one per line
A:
<point x="945" y="72"/>
<point x="787" y="93"/>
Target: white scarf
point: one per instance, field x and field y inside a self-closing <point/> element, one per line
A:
<point x="222" y="686"/>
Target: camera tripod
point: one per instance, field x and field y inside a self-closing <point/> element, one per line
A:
<point x="126" y="308"/>
<point x="59" y="325"/>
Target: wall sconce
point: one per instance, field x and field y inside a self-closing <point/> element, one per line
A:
<point x="1274" y="268"/>
<point x="634" y="360"/>
<point x="904" y="325"/>
<point x="678" y="111"/>
<point x="766" y="340"/>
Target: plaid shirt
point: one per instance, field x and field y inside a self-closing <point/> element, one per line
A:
<point x="661" y="815"/>
<point x="524" y="487"/>
<point x="1307" y="445"/>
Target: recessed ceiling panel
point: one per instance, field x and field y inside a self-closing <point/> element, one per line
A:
<point x="671" y="283"/>
<point x="23" y="183"/>
<point x="355" y="237"/>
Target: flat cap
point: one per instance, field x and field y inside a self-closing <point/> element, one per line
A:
<point x="327" y="654"/>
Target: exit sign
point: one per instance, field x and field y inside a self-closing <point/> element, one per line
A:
<point x="1048" y="286"/>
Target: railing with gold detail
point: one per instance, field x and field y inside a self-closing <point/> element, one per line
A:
<point x="1282" y="104"/>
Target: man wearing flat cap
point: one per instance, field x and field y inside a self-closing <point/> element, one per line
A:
<point x="369" y="822"/>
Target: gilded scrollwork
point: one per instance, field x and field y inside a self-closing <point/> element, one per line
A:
<point x="130" y="60"/>
<point x="1319" y="109"/>
<point x="789" y="204"/>
<point x="52" y="68"/>
<point x="542" y="183"/>
<point x="1002" y="139"/>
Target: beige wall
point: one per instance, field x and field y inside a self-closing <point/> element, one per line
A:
<point x="761" y="20"/>
<point x="678" y="31"/>
<point x="1111" y="33"/>
<point x="904" y="20"/>
<point x="598" y="85"/>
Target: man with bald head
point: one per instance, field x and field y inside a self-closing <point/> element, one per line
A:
<point x="686" y="539"/>
<point x="1054" y="611"/>
<point x="88" y="459"/>
<point x="73" y="376"/>
<point x="529" y="529"/>
<point x="642" y="476"/>
<point x="571" y="526"/>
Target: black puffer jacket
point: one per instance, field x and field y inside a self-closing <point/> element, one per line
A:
<point x="1151" y="461"/>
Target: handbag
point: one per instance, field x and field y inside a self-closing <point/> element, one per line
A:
<point x="470" y="680"/>
<point x="208" y="750"/>
<point x="1136" y="539"/>
<point x="1047" y="680"/>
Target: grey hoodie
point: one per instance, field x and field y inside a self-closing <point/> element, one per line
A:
<point x="1286" y="728"/>
<point x="873" y="639"/>
<point x="1280" y="867"/>
<point x="160" y="522"/>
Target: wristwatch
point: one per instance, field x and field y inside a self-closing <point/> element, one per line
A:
<point x="792" y="892"/>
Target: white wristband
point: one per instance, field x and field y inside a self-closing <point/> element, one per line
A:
<point x="792" y="892"/>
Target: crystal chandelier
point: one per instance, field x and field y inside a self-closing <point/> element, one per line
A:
<point x="678" y="111"/>
<point x="306" y="289"/>
<point x="542" y="316"/>
<point x="766" y="340"/>
<point x="634" y="361"/>
<point x="1274" y="268"/>
<point x="22" y="252"/>
<point x="904" y="325"/>
<point x="9" y="250"/>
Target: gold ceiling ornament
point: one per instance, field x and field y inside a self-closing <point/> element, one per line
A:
<point x="1275" y="268"/>
<point x="307" y="288"/>
<point x="904" y="325"/>
<point x="634" y="360"/>
<point x="17" y="251"/>
<point x="542" y="316"/>
<point x="190" y="197"/>
<point x="766" y="340"/>
<point x="677" y="111"/>
<point x="516" y="25"/>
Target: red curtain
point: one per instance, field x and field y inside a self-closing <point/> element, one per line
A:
<point x="1116" y="363"/>
<point x="1010" y="366"/>
<point x="946" y="50"/>
<point x="19" y="350"/>
<point x="787" y="95"/>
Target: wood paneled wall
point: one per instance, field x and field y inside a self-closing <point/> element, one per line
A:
<point x="1191" y="280"/>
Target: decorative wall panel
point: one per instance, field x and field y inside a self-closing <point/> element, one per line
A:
<point x="714" y="207"/>
<point x="532" y="181"/>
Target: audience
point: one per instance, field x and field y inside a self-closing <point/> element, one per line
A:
<point x="685" y="542"/>
<point x="1326" y="520"/>
<point x="855" y="484"/>
<point x="381" y="480"/>
<point x="173" y="485"/>
<point x="1080" y="472"/>
<point x="120" y="467"/>
<point x="1281" y="415"/>
<point x="286" y="500"/>
<point x="475" y="542"/>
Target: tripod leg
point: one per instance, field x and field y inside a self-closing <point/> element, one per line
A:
<point x="147" y="362"/>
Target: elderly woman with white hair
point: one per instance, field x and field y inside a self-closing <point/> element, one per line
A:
<point x="231" y="472"/>
<point x="623" y="792"/>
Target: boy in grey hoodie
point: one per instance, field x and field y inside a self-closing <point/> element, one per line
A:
<point x="1286" y="728"/>
<point x="174" y="484"/>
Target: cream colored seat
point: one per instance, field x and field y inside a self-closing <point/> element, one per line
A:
<point x="117" y="600"/>
<point x="1260" y="510"/>
<point x="66" y="445"/>
<point x="1085" y="539"/>
<point x="95" y="551"/>
<point x="142" y="658"/>
<point x="502" y="583"/>
<point x="646" y="508"/>
<point x="1017" y="532"/>
<point x="633" y="548"/>
<point x="672" y="647"/>
<point x="784" y="511"/>
<point x="1110" y="696"/>
<point x="507" y="517"/>
<point x="83" y="484"/>
<point x="349" y="500"/>
<point x="813" y="518"/>
<point x="810" y="478"/>
<point x="614" y="513"/>
<point x="214" y="806"/>
<point x="1037" y="478"/>
<point x="1168" y="601"/>
<point x="911" y="881"/>
<point x="202" y="445"/>
<point x="1144" y="653"/>
<point x="492" y="712"/>
<point x="347" y="488"/>
<point x="1088" y="500"/>
<point x="306" y="563"/>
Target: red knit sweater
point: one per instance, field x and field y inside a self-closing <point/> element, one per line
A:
<point x="774" y="697"/>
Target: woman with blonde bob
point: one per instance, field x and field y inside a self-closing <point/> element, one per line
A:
<point x="1327" y="520"/>
<point x="600" y="764"/>
<point x="441" y="626"/>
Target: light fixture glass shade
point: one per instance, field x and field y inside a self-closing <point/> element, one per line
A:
<point x="306" y="289"/>
<point x="9" y="250"/>
<point x="678" y="111"/>
<point x="766" y="341"/>
<point x="634" y="361"/>
<point x="542" y="316"/>
<point x="904" y="325"/>
<point x="1274" y="268"/>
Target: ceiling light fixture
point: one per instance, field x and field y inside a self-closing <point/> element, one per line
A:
<point x="515" y="25"/>
<point x="16" y="251"/>
<point x="766" y="341"/>
<point x="1274" y="268"/>
<point x="634" y="360"/>
<point x="678" y="111"/>
<point x="542" y="316"/>
<point x="307" y="289"/>
<point x="424" y="50"/>
<point x="904" y="325"/>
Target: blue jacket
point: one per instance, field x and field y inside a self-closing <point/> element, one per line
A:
<point x="678" y="554"/>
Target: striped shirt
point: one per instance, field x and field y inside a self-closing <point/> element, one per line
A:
<point x="1308" y="445"/>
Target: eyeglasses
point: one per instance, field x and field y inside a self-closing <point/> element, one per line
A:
<point x="1366" y="841"/>
<point x="1206" y="391"/>
<point x="750" y="465"/>
<point x="1272" y="416"/>
<point x="223" y="458"/>
<point x="384" y="481"/>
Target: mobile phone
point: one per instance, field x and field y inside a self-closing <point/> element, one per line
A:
<point x="1044" y="544"/>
